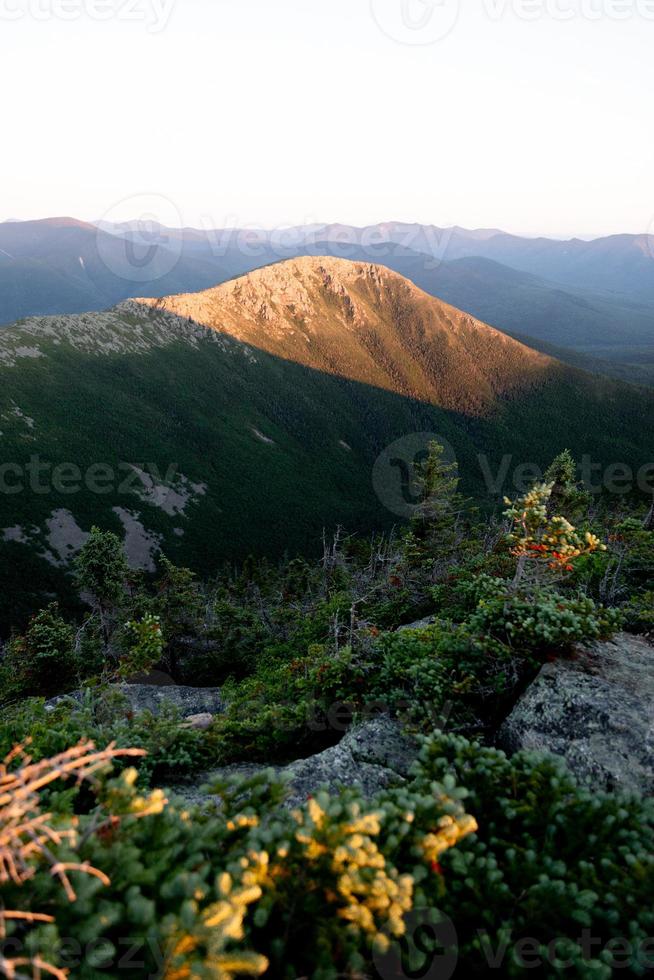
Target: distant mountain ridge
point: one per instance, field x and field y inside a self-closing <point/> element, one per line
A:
<point x="61" y="265"/>
<point x="593" y="297"/>
<point x="618" y="264"/>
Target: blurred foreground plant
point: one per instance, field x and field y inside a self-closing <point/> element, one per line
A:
<point x="28" y="835"/>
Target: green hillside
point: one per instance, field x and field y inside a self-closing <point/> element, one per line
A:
<point x="263" y="452"/>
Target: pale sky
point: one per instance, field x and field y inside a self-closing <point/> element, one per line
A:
<point x="535" y="116"/>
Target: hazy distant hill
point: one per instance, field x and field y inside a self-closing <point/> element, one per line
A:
<point x="60" y="265"/>
<point x="270" y="397"/>
<point x="618" y="264"/>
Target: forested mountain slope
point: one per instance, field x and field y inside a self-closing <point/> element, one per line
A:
<point x="247" y="418"/>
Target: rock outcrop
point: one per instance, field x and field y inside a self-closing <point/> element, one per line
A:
<point x="419" y="624"/>
<point x="371" y="757"/>
<point x="597" y="711"/>
<point x="190" y="701"/>
<point x="199" y="723"/>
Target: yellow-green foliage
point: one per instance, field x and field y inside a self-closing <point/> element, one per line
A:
<point x="549" y="540"/>
<point x="245" y="889"/>
<point x="253" y="889"/>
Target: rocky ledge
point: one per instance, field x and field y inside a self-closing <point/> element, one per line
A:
<point x="191" y="702"/>
<point x="596" y="710"/>
<point x="371" y="757"/>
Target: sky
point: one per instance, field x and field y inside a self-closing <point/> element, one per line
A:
<point x="534" y="116"/>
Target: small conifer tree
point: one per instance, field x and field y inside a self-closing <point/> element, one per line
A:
<point x="101" y="571"/>
<point x="567" y="495"/>
<point x="434" y="524"/>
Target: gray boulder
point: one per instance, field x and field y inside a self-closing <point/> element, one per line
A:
<point x="188" y="700"/>
<point x="199" y="723"/>
<point x="152" y="697"/>
<point x="371" y="757"/>
<point x="420" y="624"/>
<point x="595" y="710"/>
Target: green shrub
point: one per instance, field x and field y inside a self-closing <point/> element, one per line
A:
<point x="43" y="661"/>
<point x="551" y="860"/>
<point x="243" y="889"/>
<point x="544" y="621"/>
<point x="444" y="673"/>
<point x="252" y="888"/>
<point x="105" y="716"/>
<point x="234" y="642"/>
<point x="144" y="643"/>
<point x="289" y="708"/>
<point x="468" y="672"/>
<point x="639" y="612"/>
